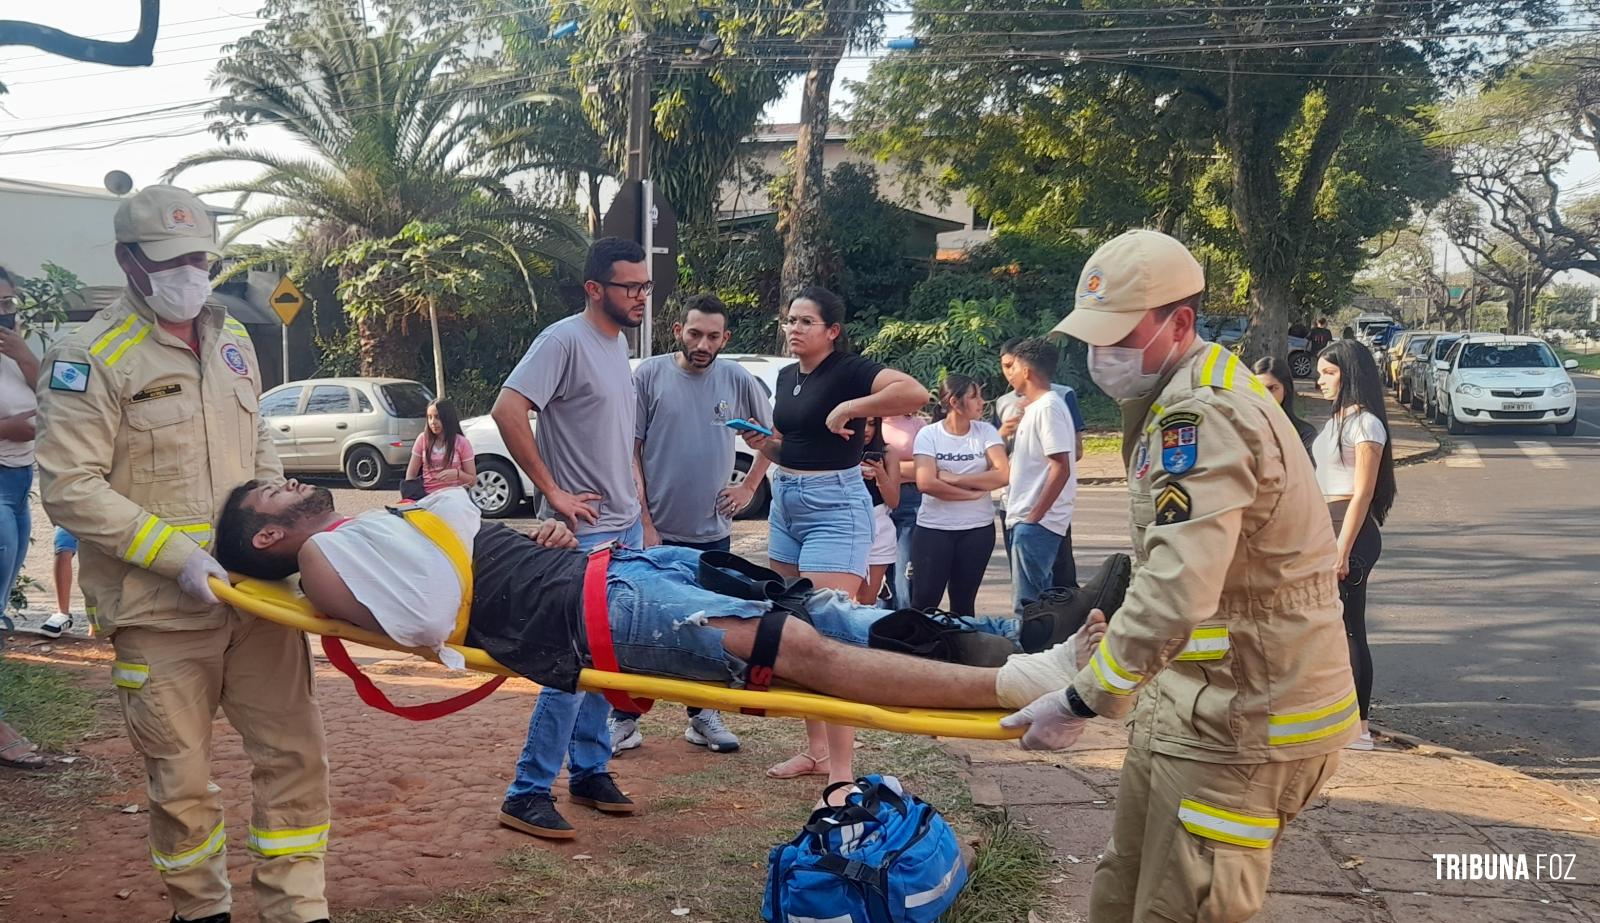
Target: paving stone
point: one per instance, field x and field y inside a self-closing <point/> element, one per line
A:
<point x="1584" y="848"/>
<point x="1506" y="806"/>
<point x="1029" y="784"/>
<point x="1303" y="908"/>
<point x="1082" y="832"/>
<point x="1439" y="908"/>
<point x="1368" y="811"/>
<point x="1405" y="863"/>
<point x="1302" y="864"/>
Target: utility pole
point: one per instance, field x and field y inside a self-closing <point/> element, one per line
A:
<point x="637" y="167"/>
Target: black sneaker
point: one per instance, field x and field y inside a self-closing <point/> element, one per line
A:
<point x="601" y="793"/>
<point x="536" y="814"/>
<point x="1058" y="612"/>
<point x="214" y="918"/>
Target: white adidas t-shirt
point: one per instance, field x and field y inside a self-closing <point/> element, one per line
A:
<point x="401" y="575"/>
<point x="964" y="454"/>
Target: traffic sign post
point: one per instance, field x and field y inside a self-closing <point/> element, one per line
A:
<point x="286" y="301"/>
<point x="654" y="227"/>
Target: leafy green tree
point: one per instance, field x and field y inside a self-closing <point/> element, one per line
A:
<point x="391" y="121"/>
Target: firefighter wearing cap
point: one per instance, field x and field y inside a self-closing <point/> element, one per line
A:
<point x="147" y="418"/>
<point x="1229" y="651"/>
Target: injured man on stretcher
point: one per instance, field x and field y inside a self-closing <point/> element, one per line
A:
<point x="382" y="572"/>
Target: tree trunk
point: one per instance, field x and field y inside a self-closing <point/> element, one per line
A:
<point x="594" y="205"/>
<point x="438" y="351"/>
<point x="802" y="232"/>
<point x="1271" y="300"/>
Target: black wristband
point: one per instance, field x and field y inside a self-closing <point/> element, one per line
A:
<point x="1078" y="706"/>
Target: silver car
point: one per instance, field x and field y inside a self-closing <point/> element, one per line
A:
<point x="363" y="427"/>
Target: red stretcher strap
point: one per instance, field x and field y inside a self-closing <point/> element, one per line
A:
<point x="373" y="696"/>
<point x="597" y="624"/>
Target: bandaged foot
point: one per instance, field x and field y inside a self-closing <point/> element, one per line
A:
<point x="1025" y="677"/>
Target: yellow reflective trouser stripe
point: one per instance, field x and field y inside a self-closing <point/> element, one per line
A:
<point x="1212" y="823"/>
<point x="1206" y="644"/>
<point x="130" y="675"/>
<point x="200" y="532"/>
<point x="148" y="541"/>
<point x="1113" y="678"/>
<point x="269" y="843"/>
<point x="1313" y="725"/>
<point x="177" y="862"/>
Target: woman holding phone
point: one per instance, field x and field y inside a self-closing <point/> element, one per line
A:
<point x="880" y="469"/>
<point x="821" y="520"/>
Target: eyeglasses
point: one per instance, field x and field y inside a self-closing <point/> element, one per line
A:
<point x="800" y="323"/>
<point x="633" y="289"/>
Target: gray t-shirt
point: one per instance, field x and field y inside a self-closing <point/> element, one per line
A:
<point x="578" y="379"/>
<point x="687" y="449"/>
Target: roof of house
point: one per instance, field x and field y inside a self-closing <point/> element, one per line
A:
<point x="37" y="187"/>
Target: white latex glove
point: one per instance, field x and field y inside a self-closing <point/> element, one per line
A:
<point x="192" y="578"/>
<point x="1051" y="724"/>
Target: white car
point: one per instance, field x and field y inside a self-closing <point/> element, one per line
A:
<point x="1493" y="379"/>
<point x="502" y="486"/>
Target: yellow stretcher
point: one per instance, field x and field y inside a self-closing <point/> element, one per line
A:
<point x="280" y="602"/>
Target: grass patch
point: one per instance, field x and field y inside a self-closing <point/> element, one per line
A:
<point x="45" y="704"/>
<point x="717" y="870"/>
<point x="1586" y="363"/>
<point x="1102" y="443"/>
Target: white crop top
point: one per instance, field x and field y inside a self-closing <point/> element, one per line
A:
<point x="1336" y="457"/>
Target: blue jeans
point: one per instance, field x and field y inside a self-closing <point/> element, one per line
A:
<point x="16" y="526"/>
<point x="904" y="518"/>
<point x="721" y="544"/>
<point x="1033" y="560"/>
<point x="569" y="726"/>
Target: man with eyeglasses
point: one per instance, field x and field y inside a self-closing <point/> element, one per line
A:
<point x="148" y="417"/>
<point x="576" y="378"/>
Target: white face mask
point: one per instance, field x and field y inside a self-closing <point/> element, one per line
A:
<point x="1119" y="370"/>
<point x="177" y="295"/>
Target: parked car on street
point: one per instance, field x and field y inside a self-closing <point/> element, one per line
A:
<point x="502" y="487"/>
<point x="1407" y="347"/>
<point x="1493" y="379"/>
<point x="1421" y="372"/>
<point x="1229" y="330"/>
<point x="363" y="427"/>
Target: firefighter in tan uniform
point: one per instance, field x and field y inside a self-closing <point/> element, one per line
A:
<point x="147" y="418"/>
<point x="1229" y="650"/>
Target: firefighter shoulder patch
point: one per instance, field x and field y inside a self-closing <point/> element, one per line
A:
<point x="1180" y="442"/>
<point x="1172" y="505"/>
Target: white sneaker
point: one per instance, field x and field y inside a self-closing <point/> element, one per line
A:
<point x="624" y="734"/>
<point x="1364" y="742"/>
<point x="56" y="624"/>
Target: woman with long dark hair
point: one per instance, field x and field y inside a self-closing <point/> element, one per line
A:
<point x="880" y="470"/>
<point x="442" y="455"/>
<point x="1355" y="469"/>
<point x="1279" y="382"/>
<point x="961" y="459"/>
<point x="821" y="523"/>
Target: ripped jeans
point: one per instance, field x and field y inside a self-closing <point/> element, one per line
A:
<point x="659" y="610"/>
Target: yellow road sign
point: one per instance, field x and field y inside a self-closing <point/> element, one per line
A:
<point x="287" y="300"/>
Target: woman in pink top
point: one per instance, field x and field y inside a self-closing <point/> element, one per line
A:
<point x="442" y="455"/>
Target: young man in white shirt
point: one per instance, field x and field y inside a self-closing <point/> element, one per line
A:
<point x="1044" y="481"/>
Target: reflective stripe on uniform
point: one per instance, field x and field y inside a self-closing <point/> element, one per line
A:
<point x="148" y="541"/>
<point x="177" y="862"/>
<point x="116" y="341"/>
<point x="1113" y="678"/>
<point x="199" y="531"/>
<point x="130" y="675"/>
<point x="305" y="840"/>
<point x="1222" y="369"/>
<point x="1313" y="725"/>
<point x="1212" y="823"/>
<point x="232" y="325"/>
<point x="1206" y="644"/>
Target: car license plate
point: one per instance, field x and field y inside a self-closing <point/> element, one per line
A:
<point x="1516" y="405"/>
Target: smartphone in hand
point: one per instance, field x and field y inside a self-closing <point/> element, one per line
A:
<point x="747" y="426"/>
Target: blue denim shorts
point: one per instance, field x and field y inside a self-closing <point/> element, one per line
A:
<point x="65" y="541"/>
<point x="821" y="523"/>
<point x="658" y="611"/>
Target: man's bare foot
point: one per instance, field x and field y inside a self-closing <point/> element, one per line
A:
<point x="1087" y="638"/>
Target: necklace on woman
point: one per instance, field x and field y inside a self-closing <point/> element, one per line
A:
<point x="800" y="381"/>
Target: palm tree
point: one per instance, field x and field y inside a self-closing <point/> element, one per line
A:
<point x="393" y="122"/>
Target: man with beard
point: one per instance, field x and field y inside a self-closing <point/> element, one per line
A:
<point x="683" y="441"/>
<point x="575" y="377"/>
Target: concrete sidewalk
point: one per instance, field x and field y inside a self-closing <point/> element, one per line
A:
<point x="1412" y="442"/>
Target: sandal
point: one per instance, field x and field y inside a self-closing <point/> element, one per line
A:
<point x="29" y="759"/>
<point x="801" y="764"/>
